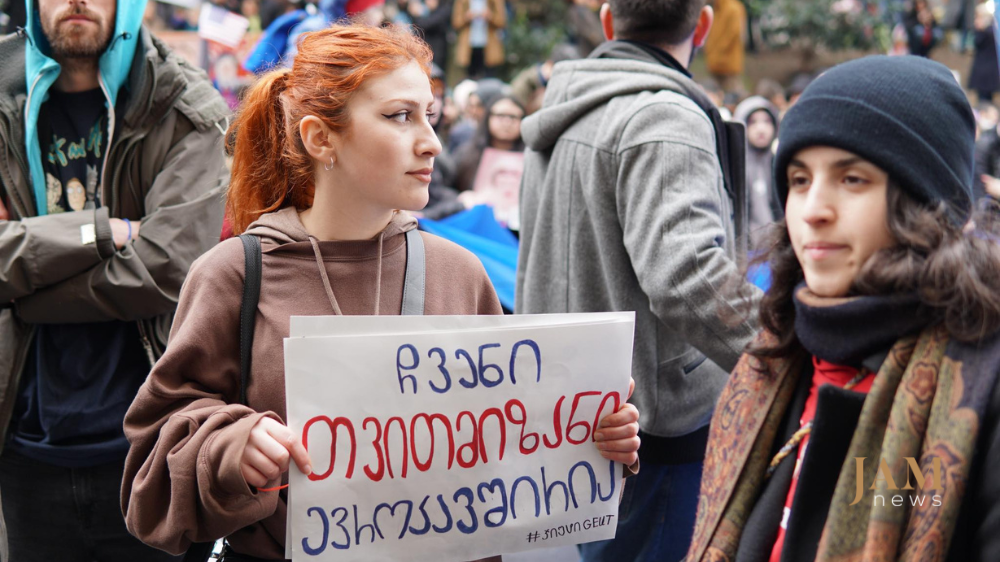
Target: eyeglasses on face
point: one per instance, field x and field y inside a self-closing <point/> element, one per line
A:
<point x="506" y="116"/>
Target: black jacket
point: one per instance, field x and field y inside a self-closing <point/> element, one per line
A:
<point x="987" y="161"/>
<point x="436" y="26"/>
<point x="976" y="536"/>
<point x="985" y="74"/>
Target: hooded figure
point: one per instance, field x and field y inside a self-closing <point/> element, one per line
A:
<point x="761" y="120"/>
<point x="103" y="132"/>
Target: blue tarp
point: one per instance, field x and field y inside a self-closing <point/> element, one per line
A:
<point x="477" y="231"/>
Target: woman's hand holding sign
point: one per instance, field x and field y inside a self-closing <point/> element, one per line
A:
<point x="618" y="437"/>
<point x="269" y="452"/>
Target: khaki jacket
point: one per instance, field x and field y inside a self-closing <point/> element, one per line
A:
<point x="165" y="167"/>
<point x="494" y="46"/>
<point x="724" y="51"/>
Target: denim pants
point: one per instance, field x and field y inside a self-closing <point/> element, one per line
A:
<point x="655" y="518"/>
<point x="67" y="514"/>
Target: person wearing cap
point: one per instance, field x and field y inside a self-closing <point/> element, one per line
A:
<point x="862" y="422"/>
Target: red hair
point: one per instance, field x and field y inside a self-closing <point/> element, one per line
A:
<point x="271" y="168"/>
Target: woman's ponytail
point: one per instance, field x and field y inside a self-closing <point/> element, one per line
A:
<point x="260" y="179"/>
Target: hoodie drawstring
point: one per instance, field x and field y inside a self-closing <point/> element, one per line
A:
<point x="326" y="278"/>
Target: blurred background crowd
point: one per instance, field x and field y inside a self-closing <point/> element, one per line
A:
<point x="493" y="59"/>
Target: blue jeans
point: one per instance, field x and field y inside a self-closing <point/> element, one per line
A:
<point x="67" y="514"/>
<point x="655" y="518"/>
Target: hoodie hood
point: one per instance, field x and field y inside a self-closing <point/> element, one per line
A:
<point x="283" y="234"/>
<point x="580" y="86"/>
<point x="41" y="71"/>
<point x="749" y="106"/>
<point x="757" y="157"/>
<point x="283" y="227"/>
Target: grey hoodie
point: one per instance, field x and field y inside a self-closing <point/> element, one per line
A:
<point x="624" y="208"/>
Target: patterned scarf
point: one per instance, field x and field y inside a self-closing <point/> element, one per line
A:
<point x="926" y="402"/>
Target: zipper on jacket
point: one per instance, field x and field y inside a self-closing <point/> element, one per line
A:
<point x="27" y="106"/>
<point x="111" y="135"/>
<point x="146" y="344"/>
<point x="111" y="117"/>
<point x="31" y="92"/>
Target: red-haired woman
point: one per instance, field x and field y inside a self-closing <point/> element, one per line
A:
<point x="325" y="154"/>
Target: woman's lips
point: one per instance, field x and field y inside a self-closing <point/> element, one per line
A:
<point x="821" y="251"/>
<point x="422" y="175"/>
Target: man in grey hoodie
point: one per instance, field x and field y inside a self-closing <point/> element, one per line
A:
<point x="624" y="207"/>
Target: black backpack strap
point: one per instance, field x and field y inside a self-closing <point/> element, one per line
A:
<point x="736" y="156"/>
<point x="248" y="307"/>
<point x="414" y="283"/>
<point x="199" y="552"/>
<point x="730" y="144"/>
<point x="202" y="551"/>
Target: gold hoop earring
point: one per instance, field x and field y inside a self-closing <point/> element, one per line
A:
<point x="330" y="167"/>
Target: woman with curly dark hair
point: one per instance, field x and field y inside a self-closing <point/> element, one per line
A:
<point x="860" y="423"/>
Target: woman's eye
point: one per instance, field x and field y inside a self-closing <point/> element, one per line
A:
<point x="431" y="116"/>
<point x="854" y="180"/>
<point x="798" y="181"/>
<point x="401" y="117"/>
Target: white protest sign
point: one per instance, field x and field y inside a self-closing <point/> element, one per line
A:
<point x="452" y="445"/>
<point x="222" y="26"/>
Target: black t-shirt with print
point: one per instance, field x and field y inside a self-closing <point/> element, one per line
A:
<point x="72" y="129"/>
<point x="79" y="379"/>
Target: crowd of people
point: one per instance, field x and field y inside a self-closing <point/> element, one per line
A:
<point x="138" y="422"/>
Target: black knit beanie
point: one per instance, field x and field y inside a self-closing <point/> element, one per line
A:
<point x="907" y="115"/>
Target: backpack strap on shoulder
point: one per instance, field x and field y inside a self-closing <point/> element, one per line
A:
<point x="416" y="279"/>
<point x="252" y="255"/>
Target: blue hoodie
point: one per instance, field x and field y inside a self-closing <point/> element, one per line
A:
<point x="279" y="44"/>
<point x="41" y="72"/>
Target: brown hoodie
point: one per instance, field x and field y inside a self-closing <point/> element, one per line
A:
<point x="187" y="430"/>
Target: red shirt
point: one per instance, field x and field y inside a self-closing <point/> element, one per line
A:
<point x="824" y="372"/>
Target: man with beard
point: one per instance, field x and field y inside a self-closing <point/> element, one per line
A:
<point x="112" y="171"/>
